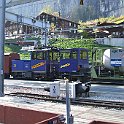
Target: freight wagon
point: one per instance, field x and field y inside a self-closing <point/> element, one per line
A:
<point x="8" y="57"/>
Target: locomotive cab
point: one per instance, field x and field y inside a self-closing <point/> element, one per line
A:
<point x="74" y="63"/>
<point x="49" y="58"/>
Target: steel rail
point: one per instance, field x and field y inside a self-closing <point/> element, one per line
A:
<point x="83" y="101"/>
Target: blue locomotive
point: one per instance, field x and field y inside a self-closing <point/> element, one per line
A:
<point x="43" y="64"/>
<point x="52" y="63"/>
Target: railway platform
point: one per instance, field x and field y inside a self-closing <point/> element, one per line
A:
<point x="82" y="114"/>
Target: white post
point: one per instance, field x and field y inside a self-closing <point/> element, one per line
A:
<point x="67" y="102"/>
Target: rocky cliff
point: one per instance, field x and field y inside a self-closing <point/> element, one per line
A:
<point x="71" y="9"/>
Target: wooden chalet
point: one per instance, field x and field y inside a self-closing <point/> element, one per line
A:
<point x="60" y="26"/>
<point x="12" y="29"/>
<point x="110" y="29"/>
<point x="18" y="31"/>
<point x="110" y="34"/>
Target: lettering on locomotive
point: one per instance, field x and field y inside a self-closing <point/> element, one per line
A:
<point x="38" y="65"/>
<point x="65" y="65"/>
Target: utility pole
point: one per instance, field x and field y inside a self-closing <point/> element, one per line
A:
<point x="2" y="38"/>
<point x="45" y="34"/>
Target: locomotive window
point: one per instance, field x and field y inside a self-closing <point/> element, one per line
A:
<point x="50" y="56"/>
<point x="40" y="55"/>
<point x="34" y="55"/>
<point x="65" y="55"/>
<point x="74" y="55"/>
<point x="83" y="55"/>
<point x="25" y="56"/>
<point x="53" y="55"/>
<point x="37" y="55"/>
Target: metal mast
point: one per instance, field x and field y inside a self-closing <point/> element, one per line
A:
<point x="2" y="38"/>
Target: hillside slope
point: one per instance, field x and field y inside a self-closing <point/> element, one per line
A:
<point x="71" y="9"/>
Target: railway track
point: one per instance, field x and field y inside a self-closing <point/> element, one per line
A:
<point x="81" y="101"/>
<point x="102" y="81"/>
<point x="108" y="81"/>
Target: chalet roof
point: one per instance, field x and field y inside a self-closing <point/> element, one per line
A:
<point x="116" y="29"/>
<point x="122" y="22"/>
<point x="8" y="23"/>
<point x="106" y="24"/>
<point x="118" y="20"/>
<point x="111" y="26"/>
<point x="57" y="17"/>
